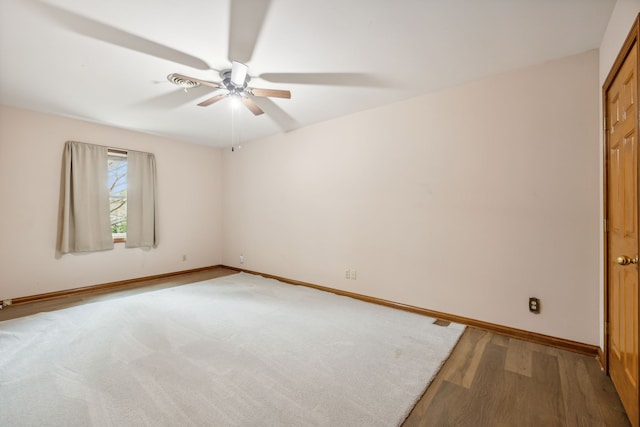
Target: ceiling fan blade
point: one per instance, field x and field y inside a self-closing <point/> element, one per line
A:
<point x="274" y="93"/>
<point x="277" y="114"/>
<point x="202" y="82"/>
<point x="106" y="33"/>
<point x="252" y="106"/>
<point x="212" y="100"/>
<point x="245" y="23"/>
<point x="174" y="99"/>
<point x="329" y="79"/>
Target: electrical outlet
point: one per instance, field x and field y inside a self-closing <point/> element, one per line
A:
<point x="353" y="274"/>
<point x="241" y="259"/>
<point x="534" y="305"/>
<point x="347" y="274"/>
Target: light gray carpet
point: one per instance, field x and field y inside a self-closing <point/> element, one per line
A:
<point x="234" y="351"/>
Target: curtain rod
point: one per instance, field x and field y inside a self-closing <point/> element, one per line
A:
<point x="115" y="149"/>
<point x="124" y="150"/>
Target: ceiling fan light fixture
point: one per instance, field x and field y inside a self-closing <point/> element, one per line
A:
<point x="238" y="73"/>
<point x="236" y="102"/>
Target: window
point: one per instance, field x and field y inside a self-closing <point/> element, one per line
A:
<point x="117" y="181"/>
<point x="108" y="195"/>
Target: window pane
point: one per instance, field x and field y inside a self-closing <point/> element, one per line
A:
<point x="118" y="194"/>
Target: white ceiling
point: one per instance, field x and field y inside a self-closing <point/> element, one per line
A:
<point x="107" y="61"/>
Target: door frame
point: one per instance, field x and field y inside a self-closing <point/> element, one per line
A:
<point x="632" y="37"/>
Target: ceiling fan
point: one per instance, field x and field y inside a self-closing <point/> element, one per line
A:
<point x="246" y="19"/>
<point x="235" y="83"/>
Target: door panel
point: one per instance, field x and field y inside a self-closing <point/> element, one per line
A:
<point x="622" y="237"/>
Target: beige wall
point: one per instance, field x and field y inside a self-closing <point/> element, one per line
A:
<point x="31" y="147"/>
<point x="466" y="201"/>
<point x="622" y="17"/>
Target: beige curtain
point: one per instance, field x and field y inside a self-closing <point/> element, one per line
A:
<point x="85" y="224"/>
<point x="141" y="200"/>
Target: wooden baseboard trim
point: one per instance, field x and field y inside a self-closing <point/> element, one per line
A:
<point x="103" y="286"/>
<point x="561" y="343"/>
<point x="601" y="360"/>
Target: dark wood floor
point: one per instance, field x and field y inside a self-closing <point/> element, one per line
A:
<point x="489" y="379"/>
<point x="493" y="380"/>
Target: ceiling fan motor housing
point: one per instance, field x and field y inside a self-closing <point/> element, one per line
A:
<point x="231" y="86"/>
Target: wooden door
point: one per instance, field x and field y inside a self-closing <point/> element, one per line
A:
<point x="621" y="126"/>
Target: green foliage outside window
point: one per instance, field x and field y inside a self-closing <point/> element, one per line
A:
<point x="118" y="193"/>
